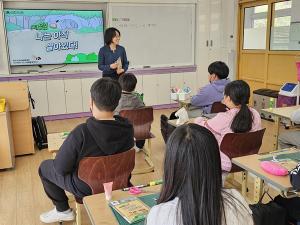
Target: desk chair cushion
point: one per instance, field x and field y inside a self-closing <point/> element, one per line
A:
<point x="95" y="171"/>
<point x="141" y="120"/>
<point x="241" y="144"/>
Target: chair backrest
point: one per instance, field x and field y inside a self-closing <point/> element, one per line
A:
<point x="241" y="144"/>
<point x="141" y="120"/>
<point x="95" y="171"/>
<point x="218" y="107"/>
<point x="165" y="128"/>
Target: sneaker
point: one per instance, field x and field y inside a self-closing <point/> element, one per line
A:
<point x="53" y="216"/>
<point x="137" y="149"/>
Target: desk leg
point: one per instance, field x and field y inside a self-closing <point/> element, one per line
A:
<point x="258" y="188"/>
<point x="244" y="183"/>
<point x="276" y="133"/>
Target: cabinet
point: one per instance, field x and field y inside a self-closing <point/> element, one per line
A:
<point x="187" y="79"/>
<point x="73" y="95"/>
<point x="7" y="155"/>
<point x="216" y="33"/>
<point x="156" y="89"/>
<point x="139" y="84"/>
<point x="56" y="97"/>
<point x="38" y="91"/>
<point x="86" y="85"/>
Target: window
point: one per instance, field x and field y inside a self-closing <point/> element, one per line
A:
<point x="255" y="27"/>
<point x="285" y="30"/>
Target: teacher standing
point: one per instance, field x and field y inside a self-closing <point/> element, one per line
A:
<point x="112" y="59"/>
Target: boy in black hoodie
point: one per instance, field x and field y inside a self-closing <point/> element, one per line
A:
<point x="101" y="135"/>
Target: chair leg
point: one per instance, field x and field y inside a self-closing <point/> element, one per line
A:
<point x="78" y="214"/>
<point x="244" y="182"/>
<point x="147" y="152"/>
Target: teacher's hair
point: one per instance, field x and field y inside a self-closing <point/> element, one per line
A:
<point x="192" y="172"/>
<point x="109" y="34"/>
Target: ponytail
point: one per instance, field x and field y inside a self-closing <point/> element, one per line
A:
<point x="239" y="93"/>
<point x="242" y="121"/>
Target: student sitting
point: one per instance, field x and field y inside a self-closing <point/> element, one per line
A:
<point x="101" y="135"/>
<point x="129" y="100"/>
<point x="213" y="92"/>
<point x="192" y="192"/>
<point x="291" y="138"/>
<point x="238" y="119"/>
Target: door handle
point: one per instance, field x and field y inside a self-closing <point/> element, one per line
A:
<point x="211" y="43"/>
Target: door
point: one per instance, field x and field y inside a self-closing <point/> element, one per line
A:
<point x="56" y="97"/>
<point x="73" y="95"/>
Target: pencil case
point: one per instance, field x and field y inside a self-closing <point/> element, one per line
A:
<point x="274" y="168"/>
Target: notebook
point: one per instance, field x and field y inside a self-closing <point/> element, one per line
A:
<point x="133" y="210"/>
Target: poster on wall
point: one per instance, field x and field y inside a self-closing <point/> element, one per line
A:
<point x="38" y="37"/>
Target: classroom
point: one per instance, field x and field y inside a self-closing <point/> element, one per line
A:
<point x="148" y="112"/>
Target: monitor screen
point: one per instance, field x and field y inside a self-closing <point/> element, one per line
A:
<point x="37" y="37"/>
<point x="288" y="87"/>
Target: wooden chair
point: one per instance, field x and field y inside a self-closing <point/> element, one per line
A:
<point x="218" y="107"/>
<point x="165" y="128"/>
<point x="241" y="144"/>
<point x="141" y="120"/>
<point x="97" y="171"/>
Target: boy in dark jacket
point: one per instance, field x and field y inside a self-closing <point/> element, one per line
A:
<point x="102" y="134"/>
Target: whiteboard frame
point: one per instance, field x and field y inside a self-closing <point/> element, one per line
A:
<point x="109" y="22"/>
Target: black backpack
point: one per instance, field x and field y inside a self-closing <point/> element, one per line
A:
<point x="39" y="130"/>
<point x="268" y="214"/>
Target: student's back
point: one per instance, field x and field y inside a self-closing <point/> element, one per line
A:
<point x="192" y="192"/>
<point x="91" y="139"/>
<point x="236" y="209"/>
<point x="129" y="99"/>
<point x="101" y="135"/>
<point x="238" y="119"/>
<point x="212" y="92"/>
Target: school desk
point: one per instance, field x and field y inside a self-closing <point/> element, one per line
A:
<point x="191" y="120"/>
<point x="98" y="210"/>
<point x="251" y="164"/>
<point x="278" y="113"/>
<point x="173" y="122"/>
<point x="55" y="140"/>
<point x="184" y="103"/>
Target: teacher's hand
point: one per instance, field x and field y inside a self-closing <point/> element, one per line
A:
<point x="113" y="66"/>
<point x="120" y="71"/>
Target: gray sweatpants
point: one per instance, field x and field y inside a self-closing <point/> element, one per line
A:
<point x="289" y="139"/>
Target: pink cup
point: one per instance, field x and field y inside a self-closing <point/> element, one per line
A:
<point x="108" y="190"/>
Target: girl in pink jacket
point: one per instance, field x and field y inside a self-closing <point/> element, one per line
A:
<point x="238" y="119"/>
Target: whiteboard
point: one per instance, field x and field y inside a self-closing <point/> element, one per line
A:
<point x="155" y="34"/>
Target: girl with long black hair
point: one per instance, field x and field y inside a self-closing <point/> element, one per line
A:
<point x="239" y="118"/>
<point x="192" y="192"/>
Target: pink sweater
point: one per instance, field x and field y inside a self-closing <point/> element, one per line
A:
<point x="220" y="125"/>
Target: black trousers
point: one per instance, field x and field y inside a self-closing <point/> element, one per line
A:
<point x="56" y="184"/>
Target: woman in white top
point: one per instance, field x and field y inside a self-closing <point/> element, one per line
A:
<point x="192" y="192"/>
